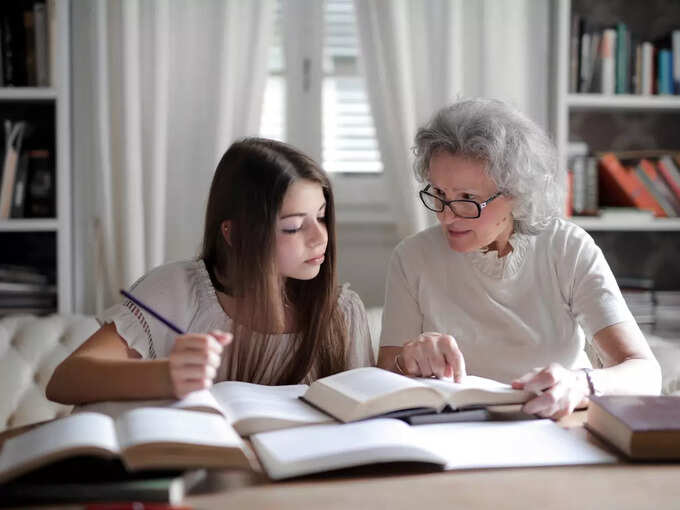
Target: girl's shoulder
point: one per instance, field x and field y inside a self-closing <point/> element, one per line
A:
<point x="350" y="302"/>
<point x="184" y="278"/>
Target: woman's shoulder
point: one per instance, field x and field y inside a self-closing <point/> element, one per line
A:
<point x="560" y="233"/>
<point x="566" y="242"/>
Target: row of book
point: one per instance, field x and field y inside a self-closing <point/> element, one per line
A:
<point x="613" y="60"/>
<point x="24" y="289"/>
<point x="24" y="43"/>
<point x="646" y="180"/>
<point x="27" y="177"/>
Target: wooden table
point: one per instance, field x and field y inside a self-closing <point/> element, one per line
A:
<point x="620" y="486"/>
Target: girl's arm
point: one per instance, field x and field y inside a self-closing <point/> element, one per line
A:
<point x="105" y="368"/>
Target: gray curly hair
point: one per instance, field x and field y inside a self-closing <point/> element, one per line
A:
<point x="519" y="156"/>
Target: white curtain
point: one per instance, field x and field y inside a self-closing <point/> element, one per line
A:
<point x="161" y="88"/>
<point x="420" y="55"/>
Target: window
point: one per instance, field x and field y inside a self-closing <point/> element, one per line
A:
<point x="316" y="99"/>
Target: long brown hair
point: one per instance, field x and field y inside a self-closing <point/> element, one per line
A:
<point x="248" y="190"/>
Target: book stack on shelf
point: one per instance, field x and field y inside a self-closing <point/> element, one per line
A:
<point x="24" y="289"/>
<point x="640" y="298"/>
<point x="667" y="310"/>
<point x="24" y="44"/>
<point x="643" y="183"/>
<point x="614" y="60"/>
<point x="27" y="174"/>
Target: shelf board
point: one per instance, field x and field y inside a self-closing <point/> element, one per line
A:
<point x="29" y="225"/>
<point x="27" y="93"/>
<point x="622" y="102"/>
<point x="623" y="224"/>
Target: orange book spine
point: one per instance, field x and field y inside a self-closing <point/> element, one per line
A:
<point x="625" y="185"/>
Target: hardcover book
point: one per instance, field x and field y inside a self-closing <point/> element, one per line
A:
<point x="369" y="391"/>
<point x="145" y="438"/>
<point x="643" y="427"/>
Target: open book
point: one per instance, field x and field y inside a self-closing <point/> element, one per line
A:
<point x="307" y="450"/>
<point x="249" y="408"/>
<point x="145" y="438"/>
<point x="365" y="392"/>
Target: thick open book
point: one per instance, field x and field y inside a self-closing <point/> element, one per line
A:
<point x="365" y="392"/>
<point x="247" y="407"/>
<point x="145" y="438"/>
<point x="307" y="450"/>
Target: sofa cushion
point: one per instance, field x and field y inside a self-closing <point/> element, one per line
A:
<point x="30" y="349"/>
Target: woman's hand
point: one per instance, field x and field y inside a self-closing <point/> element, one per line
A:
<point x="559" y="390"/>
<point x="432" y="354"/>
<point x="194" y="360"/>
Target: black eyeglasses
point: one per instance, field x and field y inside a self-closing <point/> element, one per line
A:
<point x="462" y="208"/>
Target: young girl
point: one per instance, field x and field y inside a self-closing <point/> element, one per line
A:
<point x="266" y="275"/>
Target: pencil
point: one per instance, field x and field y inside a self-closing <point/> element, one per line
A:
<point x="152" y="312"/>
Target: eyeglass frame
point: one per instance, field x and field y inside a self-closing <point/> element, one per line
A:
<point x="480" y="205"/>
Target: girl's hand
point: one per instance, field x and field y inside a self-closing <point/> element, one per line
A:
<point x="559" y="390"/>
<point x="194" y="360"/>
<point x="432" y="354"/>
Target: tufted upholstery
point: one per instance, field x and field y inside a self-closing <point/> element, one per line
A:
<point x="30" y="349"/>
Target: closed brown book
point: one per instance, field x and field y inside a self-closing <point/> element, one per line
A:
<point x="643" y="427"/>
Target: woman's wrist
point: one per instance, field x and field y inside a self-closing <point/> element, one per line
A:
<point x="398" y="364"/>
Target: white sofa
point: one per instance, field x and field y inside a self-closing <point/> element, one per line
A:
<point x="31" y="347"/>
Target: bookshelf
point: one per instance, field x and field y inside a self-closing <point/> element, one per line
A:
<point x="601" y="120"/>
<point x="44" y="243"/>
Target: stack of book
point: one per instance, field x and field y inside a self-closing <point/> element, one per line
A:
<point x="668" y="310"/>
<point x="610" y="59"/>
<point x="647" y="180"/>
<point x="25" y="290"/>
<point x="641" y="305"/>
<point x="25" y="34"/>
<point x="27" y="178"/>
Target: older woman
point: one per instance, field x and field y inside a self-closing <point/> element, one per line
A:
<point x="503" y="287"/>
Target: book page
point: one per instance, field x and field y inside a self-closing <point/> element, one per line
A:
<point x="82" y="433"/>
<point x="474" y="390"/>
<point x="201" y="400"/>
<point x="163" y="425"/>
<point x="256" y="408"/>
<point x="304" y="450"/>
<point x="367" y="383"/>
<point x="509" y="444"/>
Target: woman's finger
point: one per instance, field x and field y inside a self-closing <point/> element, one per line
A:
<point x="454" y="358"/>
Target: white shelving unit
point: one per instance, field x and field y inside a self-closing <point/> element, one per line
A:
<point x="58" y="94"/>
<point x="566" y="103"/>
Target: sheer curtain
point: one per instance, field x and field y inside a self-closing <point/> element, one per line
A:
<point x="161" y="88"/>
<point x="419" y="56"/>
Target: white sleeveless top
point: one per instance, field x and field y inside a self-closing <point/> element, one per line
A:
<point x="183" y="293"/>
